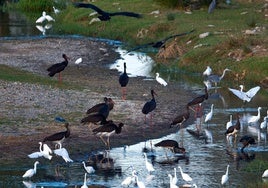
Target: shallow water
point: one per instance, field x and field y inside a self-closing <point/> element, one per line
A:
<point x="204" y="162"/>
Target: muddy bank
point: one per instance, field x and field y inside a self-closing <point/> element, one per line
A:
<point x="28" y="110"/>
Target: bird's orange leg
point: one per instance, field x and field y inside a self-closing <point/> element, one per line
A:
<point x="103" y="140"/>
<point x="124" y="93"/>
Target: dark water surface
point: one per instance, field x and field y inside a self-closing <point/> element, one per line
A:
<point x="204" y="161"/>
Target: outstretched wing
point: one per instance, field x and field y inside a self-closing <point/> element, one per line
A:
<point x="88" y="5"/>
<point x="252" y="92"/>
<point x="241" y="95"/>
<point x="178" y="35"/>
<point x="130" y="14"/>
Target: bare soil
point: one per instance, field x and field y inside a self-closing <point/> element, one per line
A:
<point x="27" y="111"/>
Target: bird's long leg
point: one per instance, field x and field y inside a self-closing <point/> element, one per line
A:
<point x="124" y="93"/>
<point x="108" y="143"/>
<point x="103" y="140"/>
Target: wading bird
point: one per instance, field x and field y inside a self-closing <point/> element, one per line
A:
<point x="160" y="80"/>
<point x="170" y="144"/>
<point x="180" y="119"/>
<point x="58" y="67"/>
<point x="245" y="96"/>
<point x="85" y="181"/>
<point x="89" y="169"/>
<point x="208" y="71"/>
<point x="233" y="130"/>
<point x="96" y="108"/>
<point x="63" y="153"/>
<point x="216" y="78"/>
<point x="29" y="173"/>
<point x="246" y="141"/>
<point x="255" y="119"/>
<point x="45" y="152"/>
<point x="171" y="184"/>
<point x="105" y="16"/>
<point x="229" y="123"/>
<point x="209" y="115"/>
<point x="148" y="165"/>
<point x="140" y="184"/>
<point x="199" y="99"/>
<point x="108" y="129"/>
<point x="130" y="179"/>
<point x="225" y="177"/>
<point x="185" y="176"/>
<point x="149" y="106"/>
<point x="44" y="17"/>
<point x="59" y="137"/>
<point x="123" y="81"/>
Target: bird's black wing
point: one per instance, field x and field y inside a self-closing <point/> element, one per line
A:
<point x="88" y="5"/>
<point x="53" y="66"/>
<point x="140" y="47"/>
<point x="130" y="14"/>
<point x="56" y="136"/>
<point x="178" y="35"/>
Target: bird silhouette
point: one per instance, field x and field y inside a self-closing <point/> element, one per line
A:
<point x="216" y="78"/>
<point x="149" y="106"/>
<point x="105" y="16"/>
<point x="233" y="130"/>
<point x="29" y="173"/>
<point x="58" y="67"/>
<point x="123" y="81"/>
<point x="199" y="99"/>
<point x="96" y="108"/>
<point x="246" y="141"/>
<point x="180" y="119"/>
<point x="59" y="137"/>
<point x="170" y="144"/>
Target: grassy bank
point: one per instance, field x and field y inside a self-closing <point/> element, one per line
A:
<point x="226" y="46"/>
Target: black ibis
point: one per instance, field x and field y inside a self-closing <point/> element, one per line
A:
<point x="96" y="108"/>
<point x="160" y="43"/>
<point x="149" y="106"/>
<point x="123" y="81"/>
<point x="180" y="119"/>
<point x="108" y="129"/>
<point x="233" y="130"/>
<point x="170" y="144"/>
<point x="199" y="99"/>
<point x="105" y="16"/>
<point x="246" y="141"/>
<point x="216" y="78"/>
<point x="59" y="137"/>
<point x="58" y="67"/>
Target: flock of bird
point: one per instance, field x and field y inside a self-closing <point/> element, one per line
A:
<point x="98" y="114"/>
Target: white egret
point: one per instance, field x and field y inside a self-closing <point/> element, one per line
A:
<point x="208" y="71"/>
<point x="42" y="153"/>
<point x="63" y="153"/>
<point x="171" y="184"/>
<point x="175" y="179"/>
<point x="185" y="176"/>
<point x="56" y="11"/>
<point x="265" y="174"/>
<point x="85" y="182"/>
<point x="44" y="17"/>
<point x="160" y="80"/>
<point x="263" y="124"/>
<point x="29" y="173"/>
<point x="208" y="84"/>
<point x="89" y="169"/>
<point x="255" y="119"/>
<point x="210" y="114"/>
<point x="140" y="184"/>
<point x="216" y="78"/>
<point x="245" y="96"/>
<point x="229" y="123"/>
<point x="78" y="61"/>
<point x="128" y="180"/>
<point x="148" y="165"/>
<point x="225" y="177"/>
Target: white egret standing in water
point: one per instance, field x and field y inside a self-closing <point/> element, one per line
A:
<point x="148" y="165"/>
<point x="229" y="123"/>
<point x="89" y="169"/>
<point x="255" y="119"/>
<point x="29" y="173"/>
<point x="225" y="177"/>
<point x="209" y="115"/>
<point x="171" y="184"/>
<point x="185" y="176"/>
<point x="42" y="153"/>
<point x="63" y="153"/>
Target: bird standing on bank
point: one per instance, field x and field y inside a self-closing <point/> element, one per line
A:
<point x="29" y="173"/>
<point x="58" y="67"/>
<point x="212" y="6"/>
<point x="160" y="80"/>
<point x="149" y="106"/>
<point x="123" y="81"/>
<point x="96" y="108"/>
<point x="59" y="137"/>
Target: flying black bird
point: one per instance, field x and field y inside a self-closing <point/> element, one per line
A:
<point x="105" y="16"/>
<point x="161" y="43"/>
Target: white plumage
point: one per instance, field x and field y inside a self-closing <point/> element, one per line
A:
<point x="185" y="176"/>
<point x="56" y="11"/>
<point x="210" y="114"/>
<point x="171" y="184"/>
<point x="263" y="124"/>
<point x="160" y="80"/>
<point x="78" y="61"/>
<point x="42" y="153"/>
<point x="175" y="179"/>
<point x="229" y="123"/>
<point x="29" y="173"/>
<point x="139" y="183"/>
<point x="44" y="17"/>
<point x="89" y="169"/>
<point x="245" y="96"/>
<point x="85" y="181"/>
<point x="130" y="179"/>
<point x="148" y="165"/>
<point x="265" y="174"/>
<point x="225" y="177"/>
<point x="255" y="119"/>
<point x="63" y="153"/>
<point x="208" y="71"/>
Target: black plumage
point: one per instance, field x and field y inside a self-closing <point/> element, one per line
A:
<point x="246" y="141"/>
<point x="160" y="43"/>
<point x="59" y="137"/>
<point x="199" y="99"/>
<point x="108" y="129"/>
<point x="149" y="106"/>
<point x="123" y="78"/>
<point x="105" y="16"/>
<point x="96" y="108"/>
<point x="58" y="67"/>
<point x="180" y="119"/>
<point x="233" y="130"/>
<point x="172" y="145"/>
